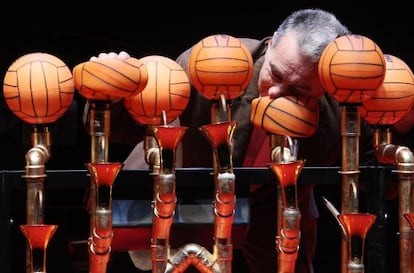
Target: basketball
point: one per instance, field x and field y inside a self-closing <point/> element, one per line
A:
<point x="288" y="115"/>
<point x="168" y="89"/>
<point x="38" y="88"/>
<point x="110" y="78"/>
<point x="220" y="65"/>
<point x="395" y="96"/>
<point x="351" y="68"/>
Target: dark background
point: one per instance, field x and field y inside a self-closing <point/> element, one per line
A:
<point x="76" y="30"/>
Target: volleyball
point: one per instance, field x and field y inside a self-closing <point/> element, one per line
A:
<point x="395" y="96"/>
<point x="168" y="90"/>
<point x="351" y="68"/>
<point x="220" y="65"/>
<point x="288" y="115"/>
<point x="38" y="88"/>
<point x="110" y="78"/>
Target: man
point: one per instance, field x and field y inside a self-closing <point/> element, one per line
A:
<point x="285" y="64"/>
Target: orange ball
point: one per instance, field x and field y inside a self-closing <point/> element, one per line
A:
<point x="395" y="96"/>
<point x="289" y="116"/>
<point x="220" y="65"/>
<point x="351" y="68"/>
<point x="38" y="88"/>
<point x="168" y="89"/>
<point x="106" y="79"/>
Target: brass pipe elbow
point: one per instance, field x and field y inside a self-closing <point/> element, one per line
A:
<point x="36" y="159"/>
<point x="152" y="153"/>
<point x="394" y="154"/>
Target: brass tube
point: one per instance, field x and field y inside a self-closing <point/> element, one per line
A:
<point x="164" y="203"/>
<point x="98" y="262"/>
<point x="35" y="176"/>
<point x="162" y="162"/>
<point x="224" y="185"/>
<point x="288" y="218"/>
<point x="287" y="242"/>
<point x="224" y="204"/>
<point x="164" y="206"/>
<point x="152" y="153"/>
<point x="382" y="135"/>
<point x="102" y="232"/>
<point x="220" y="110"/>
<point x="224" y="208"/>
<point x="350" y="131"/>
<point x="403" y="159"/>
<point x="405" y="172"/>
<point x="99" y="128"/>
<point x="100" y="238"/>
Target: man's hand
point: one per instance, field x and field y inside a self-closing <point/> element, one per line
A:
<point x="111" y="55"/>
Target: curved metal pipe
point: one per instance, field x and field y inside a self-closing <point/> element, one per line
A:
<point x="193" y="254"/>
<point x="394" y="154"/>
<point x="288" y="215"/>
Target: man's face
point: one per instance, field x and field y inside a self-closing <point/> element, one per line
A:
<point x="285" y="72"/>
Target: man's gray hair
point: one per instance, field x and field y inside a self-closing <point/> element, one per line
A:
<point x="314" y="29"/>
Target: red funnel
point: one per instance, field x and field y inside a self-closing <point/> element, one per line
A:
<point x="104" y="173"/>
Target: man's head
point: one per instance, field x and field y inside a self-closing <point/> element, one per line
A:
<point x="291" y="59"/>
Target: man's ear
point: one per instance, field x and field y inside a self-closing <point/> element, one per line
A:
<point x="270" y="43"/>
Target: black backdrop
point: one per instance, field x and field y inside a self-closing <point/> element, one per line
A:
<point x="76" y="30"/>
